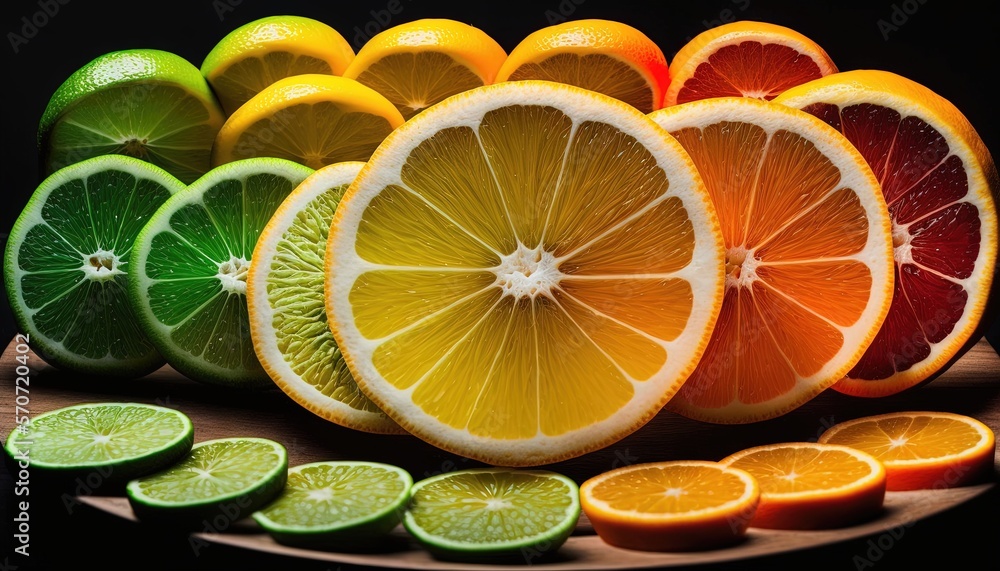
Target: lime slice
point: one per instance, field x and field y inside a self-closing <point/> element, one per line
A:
<point x="327" y="504"/>
<point x="121" y="440"/>
<point x="149" y="104"/>
<point x="287" y="309"/>
<point x="228" y="477"/>
<point x="188" y="276"/>
<point x="493" y="513"/>
<point x="66" y="261"/>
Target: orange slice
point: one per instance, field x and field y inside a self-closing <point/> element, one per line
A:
<point x="601" y="55"/>
<point x="744" y="59"/>
<point x="419" y="63"/>
<point x="805" y="485"/>
<point x="808" y="262"/>
<point x="524" y="272"/>
<point x="671" y="506"/>
<point x="941" y="185"/>
<point x="921" y="450"/>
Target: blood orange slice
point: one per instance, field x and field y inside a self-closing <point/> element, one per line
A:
<point x="808" y="261"/>
<point x="940" y="183"/>
<point x="744" y="59"/>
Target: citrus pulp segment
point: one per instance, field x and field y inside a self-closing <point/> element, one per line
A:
<point x="261" y="52"/>
<point x="941" y="185"/>
<point x="805" y="485"/>
<point x="671" y="506"/>
<point x="312" y="119"/>
<point x="921" y="450"/>
<point x="524" y="272"/>
<point x="809" y="256"/>
<point x="148" y="104"/>
<point x="416" y="64"/>
<point x="337" y="503"/>
<point x="493" y="513"/>
<point x="187" y="281"/>
<point x="233" y="477"/>
<point x="123" y="440"/>
<point x="285" y="301"/>
<point x="66" y="260"/>
<point x="601" y="55"/>
<point x="744" y="59"/>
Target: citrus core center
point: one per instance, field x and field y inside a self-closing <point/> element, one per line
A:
<point x="528" y="272"/>
<point x="102" y="265"/>
<point x="902" y="249"/>
<point x="233" y="275"/>
<point x="741" y="267"/>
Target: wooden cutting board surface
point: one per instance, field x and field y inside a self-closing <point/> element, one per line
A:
<point x="971" y="386"/>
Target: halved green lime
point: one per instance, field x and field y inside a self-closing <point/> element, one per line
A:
<point x="493" y="513"/>
<point x="188" y="275"/>
<point x="149" y="104"/>
<point x="228" y="478"/>
<point x="66" y="261"/>
<point x="327" y="504"/>
<point x="122" y="440"/>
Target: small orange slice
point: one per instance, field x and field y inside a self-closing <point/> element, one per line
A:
<point x="921" y="450"/>
<point x="744" y="59"/>
<point x="805" y="485"/>
<point x="671" y="506"/>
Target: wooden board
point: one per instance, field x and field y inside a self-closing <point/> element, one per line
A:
<point x="971" y="386"/>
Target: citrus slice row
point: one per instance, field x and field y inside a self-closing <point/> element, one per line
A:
<point x="285" y="301"/>
<point x="809" y="256"/>
<point x="524" y="272"/>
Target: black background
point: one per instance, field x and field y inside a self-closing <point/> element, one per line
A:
<point x="951" y="47"/>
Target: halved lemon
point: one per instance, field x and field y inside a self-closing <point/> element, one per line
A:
<point x="524" y="272"/>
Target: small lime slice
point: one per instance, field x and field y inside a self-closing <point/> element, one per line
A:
<point x="148" y="104"/>
<point x="120" y="440"/>
<point x="227" y="478"/>
<point x="337" y="504"/>
<point x="493" y="513"/>
<point x="288" y="323"/>
<point x="190" y="262"/>
<point x="66" y="261"/>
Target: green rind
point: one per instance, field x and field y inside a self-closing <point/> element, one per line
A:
<point x="122" y="67"/>
<point x="114" y="471"/>
<point x="523" y="551"/>
<point x="354" y="532"/>
<point x="192" y="366"/>
<point x="233" y="506"/>
<point x="223" y="53"/>
<point x="42" y="345"/>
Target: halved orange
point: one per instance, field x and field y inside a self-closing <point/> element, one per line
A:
<point x="744" y="59"/>
<point x="601" y="55"/>
<point x="808" y="261"/>
<point x="671" y="506"/>
<point x="525" y="272"/>
<point x="806" y="485"/>
<point x="941" y="185"/>
<point x="419" y="63"/>
<point x="921" y="450"/>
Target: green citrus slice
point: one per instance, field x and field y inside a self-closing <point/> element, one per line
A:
<point x="149" y="104"/>
<point x="288" y="324"/>
<point x="332" y="503"/>
<point x="66" y="263"/>
<point x="124" y="440"/>
<point x="188" y="278"/>
<point x="229" y="477"/>
<point x="493" y="513"/>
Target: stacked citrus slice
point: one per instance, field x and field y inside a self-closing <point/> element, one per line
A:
<point x="524" y="272"/>
<point x="744" y="59"/>
<point x="601" y="55"/>
<point x="809" y="256"/>
<point x="264" y="51"/>
<point x="419" y="63"/>
<point x="941" y="185"/>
